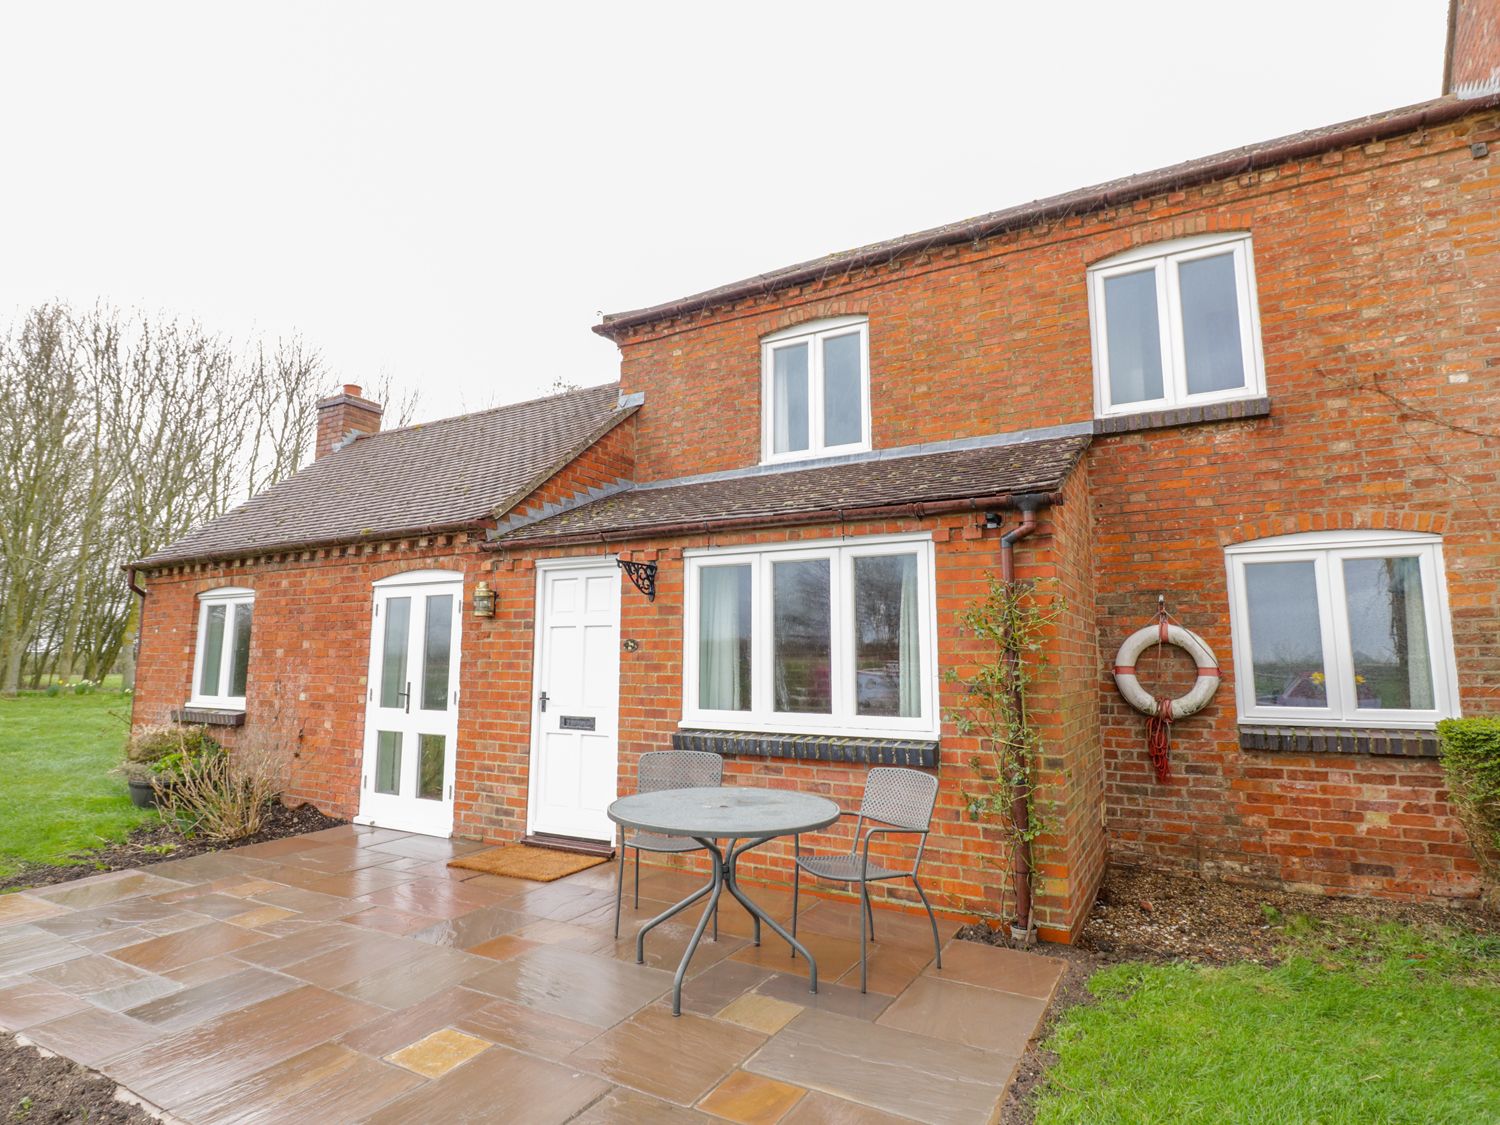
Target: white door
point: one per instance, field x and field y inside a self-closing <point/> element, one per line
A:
<point x="411" y="717"/>
<point x="575" y="712"/>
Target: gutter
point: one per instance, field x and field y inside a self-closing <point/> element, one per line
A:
<point x="1236" y="162"/>
<point x="916" y="510"/>
<point x="139" y="591"/>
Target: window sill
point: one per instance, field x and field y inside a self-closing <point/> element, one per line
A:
<point x="1230" y="410"/>
<point x="920" y="753"/>
<point x="1372" y="741"/>
<point x="198" y="715"/>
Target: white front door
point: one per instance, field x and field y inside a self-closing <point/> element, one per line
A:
<point x="411" y="717"/>
<point x="575" y="711"/>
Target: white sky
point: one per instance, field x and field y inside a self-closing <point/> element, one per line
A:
<point x="452" y="193"/>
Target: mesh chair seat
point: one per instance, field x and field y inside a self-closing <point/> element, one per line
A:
<point x="846" y="868"/>
<point x="652" y="842"/>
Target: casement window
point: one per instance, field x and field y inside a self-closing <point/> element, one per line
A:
<point x="221" y="659"/>
<point x="1175" y="324"/>
<point x="1345" y="628"/>
<point x="815" y="390"/>
<point x="834" y="639"/>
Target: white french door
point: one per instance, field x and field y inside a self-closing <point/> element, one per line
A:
<point x="411" y="717"/>
<point x="575" y="709"/>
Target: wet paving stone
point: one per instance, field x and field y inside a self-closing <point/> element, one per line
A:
<point x="328" y="1083"/>
<point x="172" y="951"/>
<point x="193" y="1005"/>
<point x="594" y="990"/>
<point x="764" y="1014"/>
<point x="499" y="1085"/>
<point x="24" y="948"/>
<point x="1008" y="970"/>
<point x="363" y="954"/>
<point x="708" y="991"/>
<point x="24" y="908"/>
<point x="394" y="1030"/>
<point x="817" y="1108"/>
<point x="84" y="975"/>
<point x="836" y="998"/>
<point x="25" y="1001"/>
<point x="630" y="1107"/>
<point x="389" y="921"/>
<point x="678" y="1058"/>
<point x="92" y="1036"/>
<point x="110" y="887"/>
<point x="436" y="1054"/>
<point x="410" y="982"/>
<point x="473" y="928"/>
<point x="965" y="1013"/>
<point x="527" y="1029"/>
<point x="749" y="1099"/>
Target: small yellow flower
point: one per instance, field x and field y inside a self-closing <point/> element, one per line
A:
<point x="1317" y="677"/>
<point x="1358" y="678"/>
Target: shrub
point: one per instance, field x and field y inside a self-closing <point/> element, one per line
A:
<point x="52" y="689"/>
<point x="1471" y="761"/>
<point x="160" y="754"/>
<point x="225" y="796"/>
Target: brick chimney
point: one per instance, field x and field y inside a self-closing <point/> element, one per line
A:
<point x="1472" y="66"/>
<point x="342" y="416"/>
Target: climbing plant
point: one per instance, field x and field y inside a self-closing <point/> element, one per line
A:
<point x="1010" y="622"/>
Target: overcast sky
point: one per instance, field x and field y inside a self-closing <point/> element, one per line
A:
<point x="452" y="193"/>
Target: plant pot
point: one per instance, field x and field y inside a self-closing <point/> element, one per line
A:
<point x="142" y="794"/>
<point x="1022" y="937"/>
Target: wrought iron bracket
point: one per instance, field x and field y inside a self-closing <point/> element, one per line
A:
<point x="643" y="574"/>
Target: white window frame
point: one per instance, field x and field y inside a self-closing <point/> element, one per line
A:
<point x="229" y="597"/>
<point x="1327" y="550"/>
<point x="1165" y="258"/>
<point x="813" y="333"/>
<point x="843" y="719"/>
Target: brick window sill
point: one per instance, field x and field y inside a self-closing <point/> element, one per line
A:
<point x="1373" y="741"/>
<point x="1184" y="416"/>
<point x="208" y="716"/>
<point x="919" y="753"/>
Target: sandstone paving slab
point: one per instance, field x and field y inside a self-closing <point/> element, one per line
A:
<point x="77" y="925"/>
<point x="389" y="921"/>
<point x="631" y="1107"/>
<point x="278" y="952"/>
<point x="109" y="887"/>
<point x="232" y="1047"/>
<point x="427" y="847"/>
<point x="208" y="867"/>
<point x="114" y="939"/>
<point x="677" y="1058"/>
<point x="24" y="948"/>
<point x="260" y="917"/>
<point x="749" y="1099"/>
<point x="666" y="944"/>
<point x="25" y="1001"/>
<point x="435" y="1054"/>
<point x="310" y="904"/>
<point x="365" y="953"/>
<point x="710" y="990"/>
<point x="1008" y="970"/>
<point x="764" y="1014"/>
<point x="410" y="982"/>
<point x="892" y="928"/>
<point x="433" y="869"/>
<point x="23" y="907"/>
<point x="818" y="1108"/>
<point x="172" y="951"/>
<point x="473" y="928"/>
<point x="367" y="880"/>
<point x="215" y="905"/>
<point x="327" y="1083"/>
<point x="966" y="1013"/>
<point x="593" y="990"/>
<point x="193" y="1005"/>
<point x="438" y="898"/>
<point x="134" y="993"/>
<point x="565" y="935"/>
<point x="834" y="955"/>
<point x="839" y="999"/>
<point x="891" y="968"/>
<point x="210" y="968"/>
<point x="502" y="948"/>
<point x="393" y="1030"/>
<point x="85" y="975"/>
<point x="885" y="1068"/>
<point x="527" y="1029"/>
<point x="92" y="1036"/>
<point x="499" y="1085"/>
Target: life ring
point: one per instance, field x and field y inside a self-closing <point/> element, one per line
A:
<point x="1203" y="656"/>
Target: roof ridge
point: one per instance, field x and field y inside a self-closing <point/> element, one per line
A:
<point x="486" y="410"/>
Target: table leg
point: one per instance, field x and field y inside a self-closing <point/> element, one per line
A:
<point x="716" y="887"/>
<point x="670" y="912"/>
<point x="731" y="863"/>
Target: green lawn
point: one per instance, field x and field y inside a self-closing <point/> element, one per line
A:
<point x="1362" y="1024"/>
<point x="57" y="794"/>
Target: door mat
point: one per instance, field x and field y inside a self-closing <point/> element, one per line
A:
<point x="522" y="861"/>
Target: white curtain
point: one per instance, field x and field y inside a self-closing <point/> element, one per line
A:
<point x="719" y="681"/>
<point x="910" y="653"/>
<point x="1418" y="651"/>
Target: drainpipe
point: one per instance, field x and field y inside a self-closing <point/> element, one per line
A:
<point x="1019" y="812"/>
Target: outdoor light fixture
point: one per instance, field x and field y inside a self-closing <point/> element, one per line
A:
<point x="484" y="600"/>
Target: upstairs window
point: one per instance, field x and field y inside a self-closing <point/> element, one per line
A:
<point x="815" y="387"/>
<point x="1175" y="324"/>
<point x="1343" y="628"/>
<point x="835" y="639"/>
<point x="221" y="662"/>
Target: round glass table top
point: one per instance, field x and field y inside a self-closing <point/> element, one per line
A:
<point x="741" y="811"/>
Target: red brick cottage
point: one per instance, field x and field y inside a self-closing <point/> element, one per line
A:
<point x="1262" y="384"/>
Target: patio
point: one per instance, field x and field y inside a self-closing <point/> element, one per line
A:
<point x="350" y="975"/>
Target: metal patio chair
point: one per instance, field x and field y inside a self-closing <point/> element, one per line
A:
<point x="899" y="801"/>
<point x="666" y="769"/>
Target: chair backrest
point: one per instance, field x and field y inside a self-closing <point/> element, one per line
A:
<point x="900" y="797"/>
<point x="679" y="769"/>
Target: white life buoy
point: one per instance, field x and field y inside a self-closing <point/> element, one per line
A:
<point x="1203" y="656"/>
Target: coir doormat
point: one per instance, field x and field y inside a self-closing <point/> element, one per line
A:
<point x="522" y="861"/>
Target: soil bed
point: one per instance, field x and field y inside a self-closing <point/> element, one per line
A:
<point x="157" y="842"/>
<point x="37" y="1090"/>
<point x="1142" y="914"/>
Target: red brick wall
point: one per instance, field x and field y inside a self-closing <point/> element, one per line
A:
<point x="1474" y="52"/>
<point x="607" y="462"/>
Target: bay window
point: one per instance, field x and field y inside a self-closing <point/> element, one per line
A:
<point x="833" y="638"/>
<point x="221" y="658"/>
<point x="1343" y="628"/>
<point x="1176" y="324"/>
<point x="815" y="390"/>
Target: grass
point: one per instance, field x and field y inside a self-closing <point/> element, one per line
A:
<point x="57" y="794"/>
<point x="1363" y="1023"/>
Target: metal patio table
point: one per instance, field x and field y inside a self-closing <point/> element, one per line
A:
<point x="744" y="815"/>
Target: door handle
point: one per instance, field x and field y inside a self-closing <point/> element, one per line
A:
<point x="405" y="697"/>
<point x="542" y="702"/>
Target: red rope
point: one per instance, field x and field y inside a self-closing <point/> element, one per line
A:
<point x="1159" y="737"/>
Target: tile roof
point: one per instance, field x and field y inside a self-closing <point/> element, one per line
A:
<point x="1234" y="162"/>
<point x="803" y="495"/>
<point x="432" y="475"/>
